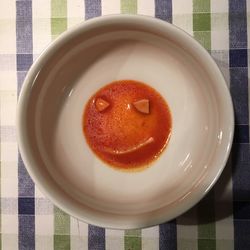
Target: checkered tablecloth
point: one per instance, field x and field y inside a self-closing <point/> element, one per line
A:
<point x="30" y="221"/>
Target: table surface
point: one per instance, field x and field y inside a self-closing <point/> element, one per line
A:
<point x="30" y="221"/>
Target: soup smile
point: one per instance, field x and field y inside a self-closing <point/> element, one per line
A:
<point x="130" y="150"/>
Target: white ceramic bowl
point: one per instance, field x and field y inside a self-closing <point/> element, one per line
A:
<point x="96" y="53"/>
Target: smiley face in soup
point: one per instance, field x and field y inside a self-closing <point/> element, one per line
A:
<point x="127" y="124"/>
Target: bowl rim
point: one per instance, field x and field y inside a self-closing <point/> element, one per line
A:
<point x="30" y="80"/>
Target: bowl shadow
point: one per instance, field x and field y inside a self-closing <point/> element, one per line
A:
<point x="216" y="205"/>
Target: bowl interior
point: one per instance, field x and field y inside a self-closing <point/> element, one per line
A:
<point x="95" y="54"/>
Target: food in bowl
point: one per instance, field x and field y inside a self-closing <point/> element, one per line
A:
<point x="127" y="124"/>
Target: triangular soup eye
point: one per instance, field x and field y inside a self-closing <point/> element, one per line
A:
<point x="142" y="106"/>
<point x="101" y="104"/>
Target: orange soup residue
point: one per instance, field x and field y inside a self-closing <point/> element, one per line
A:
<point x="127" y="124"/>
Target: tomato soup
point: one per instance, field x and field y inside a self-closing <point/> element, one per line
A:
<point x="127" y="124"/>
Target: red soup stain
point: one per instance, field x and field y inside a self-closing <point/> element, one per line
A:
<point x="127" y="124"/>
